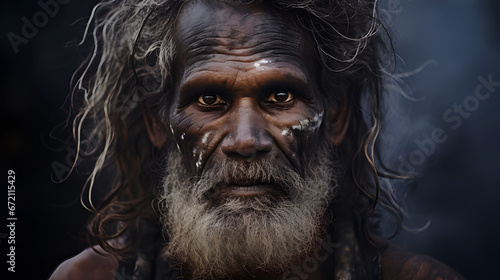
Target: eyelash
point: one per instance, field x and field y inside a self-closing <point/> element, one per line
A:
<point x="218" y="98"/>
<point x="222" y="101"/>
<point x="290" y="97"/>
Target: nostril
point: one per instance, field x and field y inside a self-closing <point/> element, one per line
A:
<point x="247" y="155"/>
<point x="248" y="149"/>
<point x="243" y="154"/>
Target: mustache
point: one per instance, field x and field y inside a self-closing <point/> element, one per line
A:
<point x="227" y="172"/>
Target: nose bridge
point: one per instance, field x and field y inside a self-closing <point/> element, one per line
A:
<point x="245" y="120"/>
<point x="248" y="136"/>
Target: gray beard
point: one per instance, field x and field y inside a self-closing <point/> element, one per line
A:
<point x="229" y="237"/>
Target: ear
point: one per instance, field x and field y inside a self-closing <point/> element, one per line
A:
<point x="338" y="120"/>
<point x="156" y="128"/>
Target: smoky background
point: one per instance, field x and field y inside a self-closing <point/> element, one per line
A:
<point x="447" y="130"/>
<point x="444" y="46"/>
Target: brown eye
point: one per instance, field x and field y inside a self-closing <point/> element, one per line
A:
<point x="280" y="97"/>
<point x="211" y="99"/>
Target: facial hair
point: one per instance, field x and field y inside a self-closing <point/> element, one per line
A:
<point x="219" y="236"/>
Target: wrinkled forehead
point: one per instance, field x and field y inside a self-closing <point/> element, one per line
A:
<point x="205" y="29"/>
<point x="235" y="21"/>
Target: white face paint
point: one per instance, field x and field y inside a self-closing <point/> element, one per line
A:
<point x="261" y="63"/>
<point x="286" y="132"/>
<point x="198" y="153"/>
<point x="205" y="137"/>
<point x="177" y="144"/>
<point x="309" y="124"/>
<point x="198" y="162"/>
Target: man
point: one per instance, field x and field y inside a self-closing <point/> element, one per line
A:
<point x="247" y="123"/>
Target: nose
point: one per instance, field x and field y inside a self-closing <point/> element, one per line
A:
<point x="248" y="137"/>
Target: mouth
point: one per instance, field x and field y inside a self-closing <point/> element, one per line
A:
<point x="248" y="189"/>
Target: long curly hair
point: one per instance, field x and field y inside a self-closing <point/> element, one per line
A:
<point x="131" y="62"/>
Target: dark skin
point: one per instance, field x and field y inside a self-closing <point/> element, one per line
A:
<point x="246" y="83"/>
<point x="247" y="90"/>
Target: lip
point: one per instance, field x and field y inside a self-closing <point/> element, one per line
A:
<point x="247" y="190"/>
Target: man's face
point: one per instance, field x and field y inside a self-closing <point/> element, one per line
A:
<point x="250" y="181"/>
<point x="246" y="88"/>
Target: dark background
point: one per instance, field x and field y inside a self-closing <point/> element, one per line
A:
<point x="457" y="190"/>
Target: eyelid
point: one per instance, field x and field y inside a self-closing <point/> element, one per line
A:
<point x="290" y="98"/>
<point x="218" y="99"/>
<point x="190" y="93"/>
<point x="297" y="87"/>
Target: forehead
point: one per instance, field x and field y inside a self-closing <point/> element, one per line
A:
<point x="220" y="32"/>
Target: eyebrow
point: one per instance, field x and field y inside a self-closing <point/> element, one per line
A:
<point x="206" y="81"/>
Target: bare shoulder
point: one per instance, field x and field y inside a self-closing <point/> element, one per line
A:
<point x="86" y="265"/>
<point x="400" y="264"/>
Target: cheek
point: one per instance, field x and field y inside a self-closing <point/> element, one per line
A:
<point x="293" y="131"/>
<point x="194" y="134"/>
<point x="296" y="132"/>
